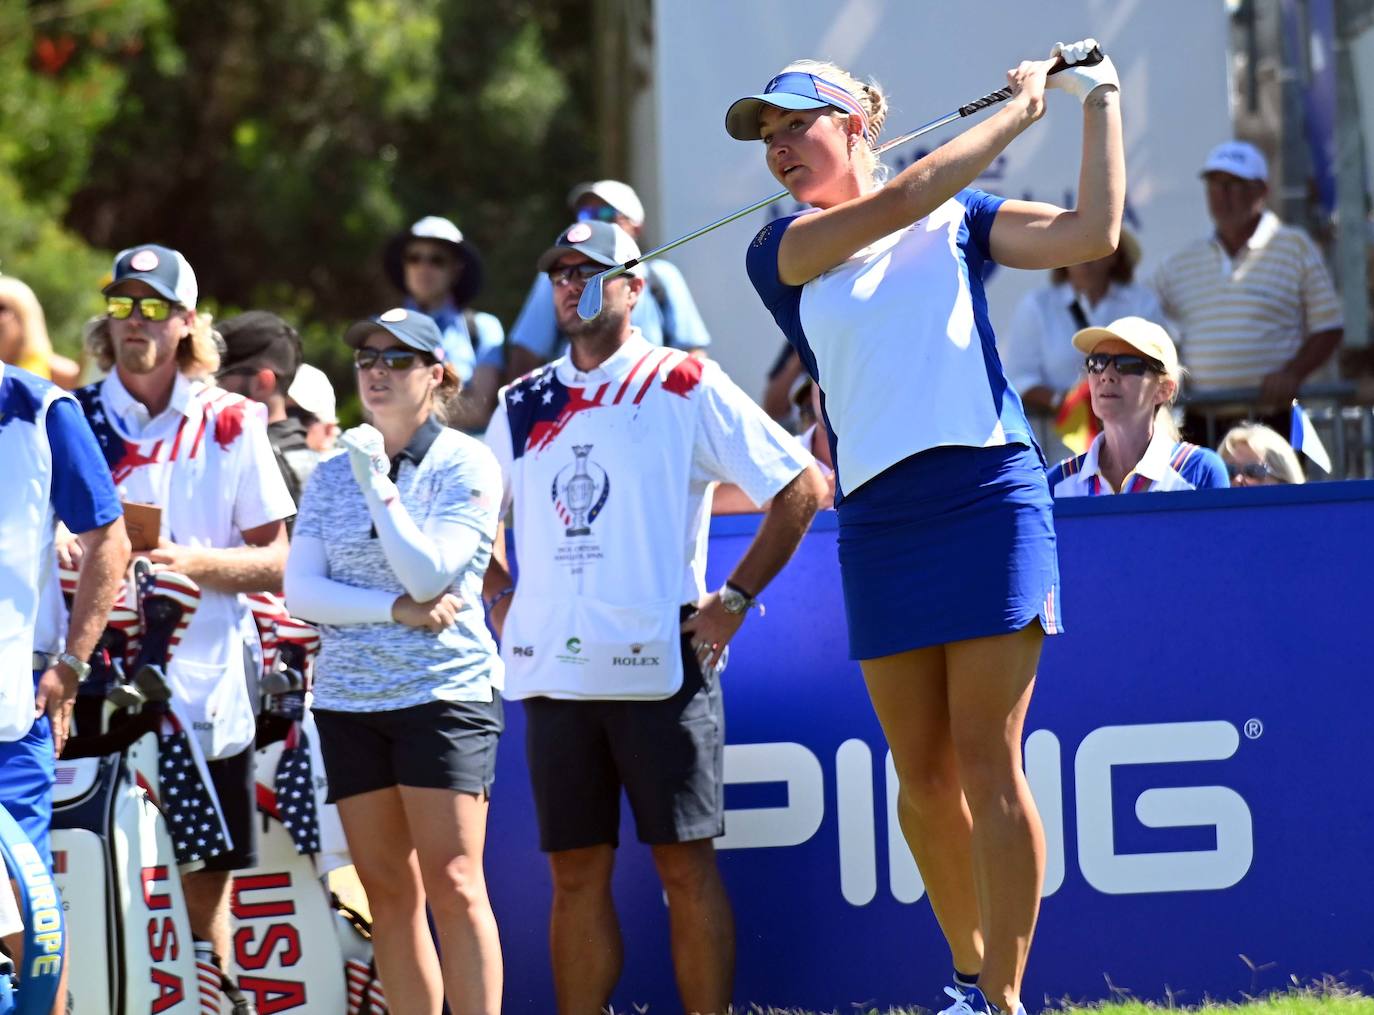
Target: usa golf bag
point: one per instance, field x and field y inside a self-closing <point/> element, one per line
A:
<point x="291" y="942"/>
<point x="114" y="854"/>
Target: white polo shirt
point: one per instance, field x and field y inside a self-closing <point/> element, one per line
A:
<point x="1167" y="465"/>
<point x="1241" y="319"/>
<point x="206" y="461"/>
<point x="899" y="340"/>
<point x="610" y="472"/>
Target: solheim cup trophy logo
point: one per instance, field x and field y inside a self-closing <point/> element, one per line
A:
<point x="579" y="492"/>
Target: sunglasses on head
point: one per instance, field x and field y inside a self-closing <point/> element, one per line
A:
<point x="599" y="213"/>
<point x="433" y="260"/>
<point x="1127" y="364"/>
<point x="397" y="357"/>
<point x="575" y="274"/>
<point x="153" y="308"/>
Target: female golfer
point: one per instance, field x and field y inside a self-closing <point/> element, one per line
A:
<point x="1133" y="377"/>
<point x="390" y="547"/>
<point x="947" y="552"/>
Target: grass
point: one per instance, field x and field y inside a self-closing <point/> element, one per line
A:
<point x="1321" y="999"/>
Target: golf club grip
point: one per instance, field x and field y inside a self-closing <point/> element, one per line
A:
<point x="1002" y="94"/>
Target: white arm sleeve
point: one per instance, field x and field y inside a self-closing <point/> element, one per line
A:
<point x="312" y="595"/>
<point x="426" y="562"/>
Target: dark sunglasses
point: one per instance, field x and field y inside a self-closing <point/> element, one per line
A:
<point x="152" y="308"/>
<point x="397" y="357"/>
<point x="433" y="260"/>
<point x="1257" y="471"/>
<point x="1127" y="364"/>
<point x="575" y="274"/>
<point x="600" y="213"/>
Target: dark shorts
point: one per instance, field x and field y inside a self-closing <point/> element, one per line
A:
<point x="437" y="745"/>
<point x="233" y="779"/>
<point x="949" y="544"/>
<point x="668" y="755"/>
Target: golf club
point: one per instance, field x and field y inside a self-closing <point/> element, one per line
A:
<point x="589" y="305"/>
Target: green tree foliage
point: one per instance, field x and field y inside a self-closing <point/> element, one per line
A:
<point x="279" y="143"/>
<point x="290" y="138"/>
<point x="62" y="73"/>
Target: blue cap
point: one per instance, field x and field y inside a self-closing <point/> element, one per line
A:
<point x="790" y="90"/>
<point x="411" y="327"/>
<point x="163" y="269"/>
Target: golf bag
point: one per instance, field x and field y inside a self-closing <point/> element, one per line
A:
<point x="290" y="944"/>
<point x="114" y="855"/>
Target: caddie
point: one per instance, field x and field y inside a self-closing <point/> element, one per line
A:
<point x="611" y="639"/>
<point x="200" y="454"/>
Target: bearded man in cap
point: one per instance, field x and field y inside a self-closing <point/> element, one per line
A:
<point x="667" y="316"/>
<point x="611" y="639"/>
<point x="201" y="455"/>
<point x="1253" y="303"/>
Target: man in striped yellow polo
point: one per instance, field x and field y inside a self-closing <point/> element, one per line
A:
<point x="1253" y="303"/>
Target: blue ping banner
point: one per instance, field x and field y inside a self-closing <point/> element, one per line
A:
<point x="1196" y="745"/>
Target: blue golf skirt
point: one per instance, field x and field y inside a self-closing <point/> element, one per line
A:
<point x="949" y="544"/>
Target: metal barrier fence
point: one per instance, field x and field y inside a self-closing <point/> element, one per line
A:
<point x="1341" y="411"/>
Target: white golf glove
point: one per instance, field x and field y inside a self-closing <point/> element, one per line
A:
<point x="367" y="454"/>
<point x="1077" y="79"/>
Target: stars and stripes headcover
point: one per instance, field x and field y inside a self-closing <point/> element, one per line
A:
<point x="194" y="819"/>
<point x="295" y="789"/>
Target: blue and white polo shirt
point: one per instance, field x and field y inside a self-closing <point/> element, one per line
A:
<point x="1166" y="465"/>
<point x="899" y="341"/>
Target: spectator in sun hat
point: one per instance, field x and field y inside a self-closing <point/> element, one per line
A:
<point x="441" y="273"/>
<point x="1133" y="376"/>
<point x="667" y="316"/>
<point x="201" y="454"/>
<point x="262" y="355"/>
<point x="1253" y="303"/>
<point x="1040" y="362"/>
<point x="388" y="558"/>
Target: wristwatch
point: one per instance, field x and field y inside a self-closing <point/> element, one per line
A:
<point x="736" y="600"/>
<point x="77" y="666"/>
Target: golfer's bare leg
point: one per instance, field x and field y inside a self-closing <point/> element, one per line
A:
<point x="990" y="684"/>
<point x="910" y="696"/>
<point x="584" y="936"/>
<point x="702" y="924"/>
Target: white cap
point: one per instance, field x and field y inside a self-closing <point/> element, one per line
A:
<point x="1144" y="336"/>
<point x="312" y="391"/>
<point x="620" y="196"/>
<point x="1239" y="158"/>
<point x="432" y="227"/>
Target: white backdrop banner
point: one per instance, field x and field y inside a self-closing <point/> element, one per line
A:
<point x="931" y="57"/>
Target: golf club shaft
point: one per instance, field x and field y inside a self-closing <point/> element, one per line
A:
<point x="991" y="99"/>
<point x="968" y="109"/>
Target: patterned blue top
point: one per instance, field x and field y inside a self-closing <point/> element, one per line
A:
<point x="442" y="475"/>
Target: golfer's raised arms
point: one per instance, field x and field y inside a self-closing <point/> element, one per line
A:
<point x="805" y="148"/>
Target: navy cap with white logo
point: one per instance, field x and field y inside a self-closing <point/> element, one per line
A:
<point x="410" y="327"/>
<point x="162" y="268"/>
<point x="604" y="242"/>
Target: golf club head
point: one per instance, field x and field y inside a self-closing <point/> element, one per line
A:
<point x="152" y="683"/>
<point x="589" y="306"/>
<point x="125" y="696"/>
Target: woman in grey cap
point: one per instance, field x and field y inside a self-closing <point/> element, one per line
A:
<point x="391" y="544"/>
